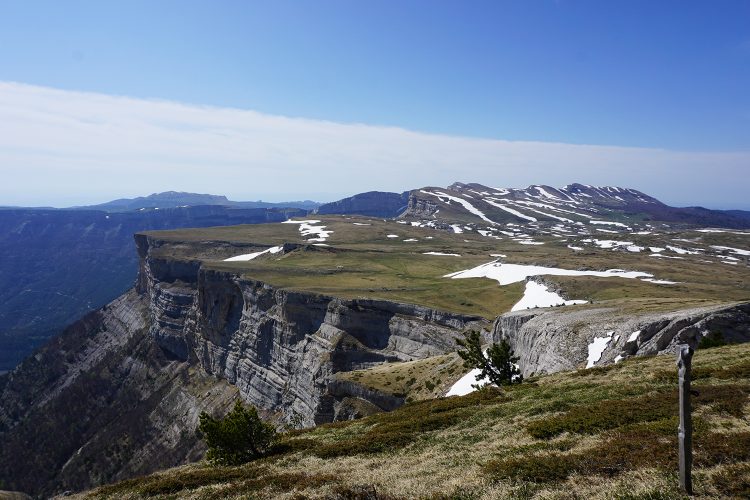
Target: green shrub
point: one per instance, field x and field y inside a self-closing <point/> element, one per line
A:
<point x="536" y="468"/>
<point x="497" y="364"/>
<point x="238" y="438"/>
<point x="729" y="398"/>
<point x="713" y="339"/>
<point x="718" y="448"/>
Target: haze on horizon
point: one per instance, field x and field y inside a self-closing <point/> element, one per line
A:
<point x="321" y="100"/>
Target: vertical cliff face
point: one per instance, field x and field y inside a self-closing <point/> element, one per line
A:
<point x="279" y="347"/>
<point x="102" y="402"/>
<point x="554" y="340"/>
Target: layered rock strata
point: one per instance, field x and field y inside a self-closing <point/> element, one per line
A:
<point x="281" y="347"/>
<point x="558" y="339"/>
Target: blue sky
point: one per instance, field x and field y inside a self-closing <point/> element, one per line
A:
<point x="660" y="75"/>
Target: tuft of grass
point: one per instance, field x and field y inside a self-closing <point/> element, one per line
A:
<point x="610" y="414"/>
<point x="603" y="415"/>
<point x="596" y="370"/>
<point x="393" y="431"/>
<point x="718" y="448"/>
<point x="733" y="481"/>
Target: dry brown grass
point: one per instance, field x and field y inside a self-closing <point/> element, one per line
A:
<point x="480" y="446"/>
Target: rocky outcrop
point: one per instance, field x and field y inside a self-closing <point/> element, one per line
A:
<point x="421" y="207"/>
<point x="372" y="204"/>
<point x="558" y="339"/>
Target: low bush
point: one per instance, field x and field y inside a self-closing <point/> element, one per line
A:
<point x="238" y="438"/>
<point x="535" y="468"/>
<point x="603" y="415"/>
<point x="713" y="339"/>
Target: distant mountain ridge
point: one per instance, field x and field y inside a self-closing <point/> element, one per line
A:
<point x="179" y="199"/>
<point x="538" y="204"/>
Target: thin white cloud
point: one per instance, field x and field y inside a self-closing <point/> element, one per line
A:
<point x="62" y="147"/>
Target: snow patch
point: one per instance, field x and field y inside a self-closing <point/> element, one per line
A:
<point x="597" y="347"/>
<point x="660" y="282"/>
<point x="306" y="228"/>
<point x="737" y="251"/>
<point x="510" y="210"/>
<point x="530" y="242"/>
<point x="464" y="384"/>
<point x="682" y="251"/>
<point x="441" y="253"/>
<point x="537" y="295"/>
<point x="620" y="224"/>
<point x="505" y="274"/>
<point x="468" y="206"/>
<point x="250" y="256"/>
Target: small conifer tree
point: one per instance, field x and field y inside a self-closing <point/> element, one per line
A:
<point x="497" y="364"/>
<point x="239" y="437"/>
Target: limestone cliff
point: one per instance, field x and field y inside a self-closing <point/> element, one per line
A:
<point x="558" y="339"/>
<point x="281" y="347"/>
<point x="119" y="392"/>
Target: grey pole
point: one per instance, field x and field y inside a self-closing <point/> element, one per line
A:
<point x="685" y="431"/>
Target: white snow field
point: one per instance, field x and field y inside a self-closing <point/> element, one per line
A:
<point x="538" y="295"/>
<point x="306" y="228"/>
<point x="505" y="274"/>
<point x="441" y="253"/>
<point x="251" y="256"/>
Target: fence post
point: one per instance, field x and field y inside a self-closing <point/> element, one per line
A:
<point x="685" y="431"/>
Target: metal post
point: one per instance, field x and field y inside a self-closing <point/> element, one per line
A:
<point x="685" y="431"/>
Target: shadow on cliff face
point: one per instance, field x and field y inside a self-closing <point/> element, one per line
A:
<point x="221" y="305"/>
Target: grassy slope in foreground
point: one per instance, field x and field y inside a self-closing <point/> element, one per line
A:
<point x="600" y="433"/>
<point x="362" y="261"/>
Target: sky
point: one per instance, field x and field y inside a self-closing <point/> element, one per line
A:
<point x="323" y="99"/>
